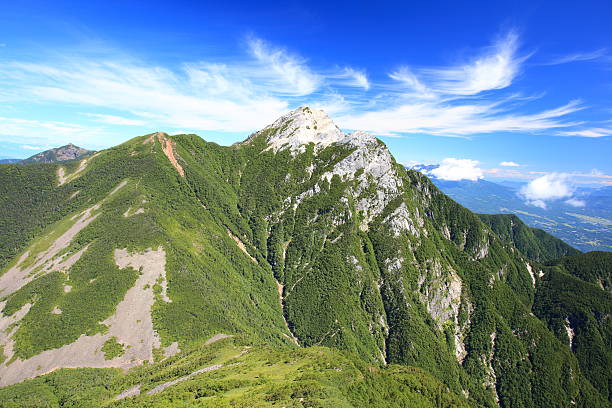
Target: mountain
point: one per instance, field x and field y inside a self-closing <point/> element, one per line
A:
<point x="574" y="298"/>
<point x="323" y="257"/>
<point x="9" y="161"/>
<point x="587" y="228"/>
<point x="58" y="154"/>
<point x="536" y="244"/>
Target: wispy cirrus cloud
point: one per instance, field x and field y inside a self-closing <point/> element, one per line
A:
<point x="414" y="86"/>
<point x="578" y="57"/>
<point x="495" y="68"/>
<point x="115" y="120"/>
<point x="199" y="97"/>
<point x="254" y="89"/>
<point x="47" y="133"/>
<point x="459" y="120"/>
<point x="460" y="100"/>
<point x="289" y="72"/>
<point x="352" y="77"/>
<point x="592" y="132"/>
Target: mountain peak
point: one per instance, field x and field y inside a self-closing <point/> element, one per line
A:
<point x="59" y="154"/>
<point x="305" y="125"/>
<point x="300" y="127"/>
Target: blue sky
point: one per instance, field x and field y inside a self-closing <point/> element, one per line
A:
<point x="527" y="84"/>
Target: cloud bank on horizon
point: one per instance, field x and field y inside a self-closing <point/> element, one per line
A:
<point x="540" y="191"/>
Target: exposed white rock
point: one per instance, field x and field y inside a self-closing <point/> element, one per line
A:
<point x="570" y="332"/>
<point x="394" y="264"/>
<point x="491" y="376"/>
<point x="400" y="221"/>
<point x="370" y="158"/>
<point x="300" y="127"/>
<point x="483" y="249"/>
<point x="446" y="232"/>
<point x="306" y="194"/>
<point x="530" y="270"/>
<point x="441" y="290"/>
<point x="130" y="392"/>
<point x="377" y="165"/>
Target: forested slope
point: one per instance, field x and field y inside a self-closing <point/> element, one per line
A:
<point x="534" y="243"/>
<point x="301" y="236"/>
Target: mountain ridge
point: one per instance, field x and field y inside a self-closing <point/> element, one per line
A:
<point x="336" y="245"/>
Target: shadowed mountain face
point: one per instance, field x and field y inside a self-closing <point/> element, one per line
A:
<point x="59" y="154"/>
<point x="301" y="236"/>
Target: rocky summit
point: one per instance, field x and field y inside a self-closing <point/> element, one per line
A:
<point x="59" y="154"/>
<point x="302" y="267"/>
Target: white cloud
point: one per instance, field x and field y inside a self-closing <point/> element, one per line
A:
<point x="458" y="169"/>
<point x="581" y="56"/>
<point x="250" y="91"/>
<point x="574" y="202"/>
<point x="538" y="203"/>
<point x="550" y="187"/>
<point x="457" y="100"/>
<point x="294" y="76"/>
<point x="418" y="89"/>
<point x="594" y="132"/>
<point x="509" y="164"/>
<point x="49" y="133"/>
<point x="29" y="147"/>
<point x="115" y="120"/>
<point x="455" y="120"/>
<point x="353" y="77"/>
<point x="206" y="97"/>
<point x="495" y="68"/>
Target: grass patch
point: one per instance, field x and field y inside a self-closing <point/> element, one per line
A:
<point x="112" y="348"/>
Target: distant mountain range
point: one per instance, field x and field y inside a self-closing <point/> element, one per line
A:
<point x="587" y="228"/>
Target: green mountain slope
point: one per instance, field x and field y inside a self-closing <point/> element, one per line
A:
<point x="534" y="243"/>
<point x="231" y="373"/>
<point x="578" y="312"/>
<point x="299" y="236"/>
<point x="594" y="267"/>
